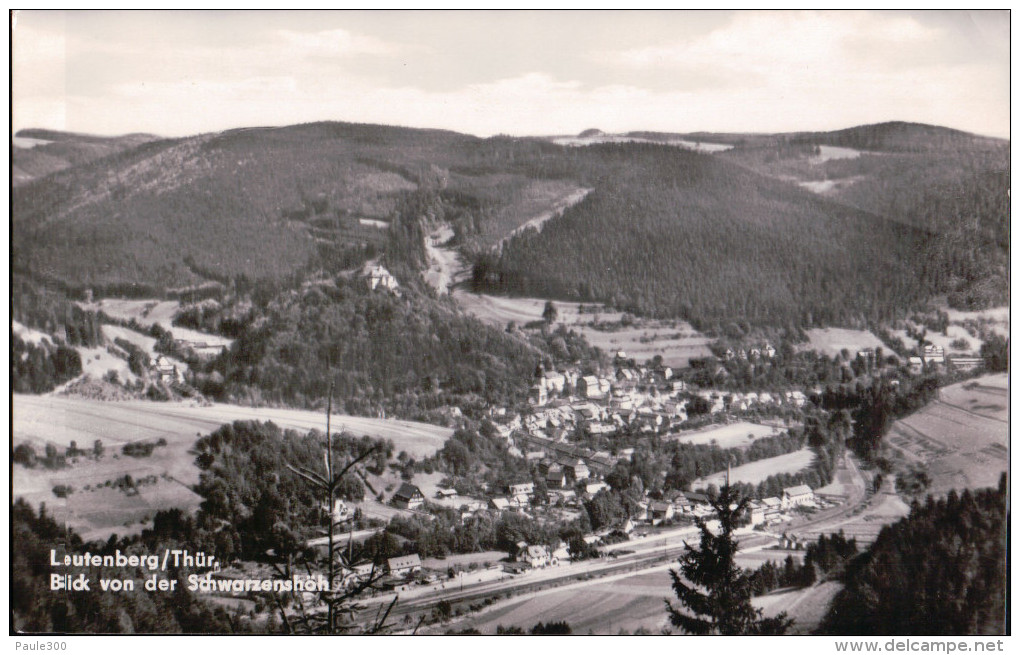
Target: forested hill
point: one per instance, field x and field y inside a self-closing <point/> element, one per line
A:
<point x="664" y="231"/>
<point x="670" y="232"/>
<point x="951" y="184"/>
<point x="38" y="153"/>
<point x="898" y="136"/>
<point x="940" y="571"/>
<point x="258" y="202"/>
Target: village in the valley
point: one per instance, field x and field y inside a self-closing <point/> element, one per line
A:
<point x="510" y="323"/>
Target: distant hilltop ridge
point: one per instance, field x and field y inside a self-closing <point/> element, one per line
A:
<point x="875" y="136"/>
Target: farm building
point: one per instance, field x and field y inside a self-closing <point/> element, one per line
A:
<point x="577" y="470"/>
<point x="341" y="512"/>
<point x="965" y="363"/>
<point x="565" y="495"/>
<point x="681" y="504"/>
<point x="553" y="381"/>
<point x="408" y="496"/>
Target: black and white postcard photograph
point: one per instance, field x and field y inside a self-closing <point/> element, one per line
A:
<point x="510" y="323"/>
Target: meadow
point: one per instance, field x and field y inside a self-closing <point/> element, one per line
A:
<point x="40" y="420"/>
<point x="675" y="341"/>
<point x="961" y="438"/>
<point x="761" y="469"/>
<point x="830" y="341"/>
<point x="605" y="606"/>
<point x="734" y="435"/>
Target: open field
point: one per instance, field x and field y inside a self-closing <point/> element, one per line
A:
<point x="143" y="341"/>
<point x="604" y="606"/>
<point x="844" y="483"/>
<point x="147" y="312"/>
<point x="807" y="607"/>
<point x="997" y="318"/>
<point x="676" y="341"/>
<point x="756" y="472"/>
<point x="886" y="508"/>
<point x="42" y="419"/>
<point x="676" y="345"/>
<point x="962" y="437"/>
<point x="95" y="514"/>
<point x="481" y="559"/>
<point x="576" y="141"/>
<point x="499" y="310"/>
<point x="97" y="362"/>
<point x="445" y="266"/>
<point x="830" y="341"/>
<point x="953" y="333"/>
<point x="734" y="435"/>
<point x="38" y="420"/>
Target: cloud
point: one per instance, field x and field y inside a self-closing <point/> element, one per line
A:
<point x="336" y="43"/>
<point x="770" y="71"/>
<point x="778" y="43"/>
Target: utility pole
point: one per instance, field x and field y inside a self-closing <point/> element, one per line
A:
<point x="329" y="508"/>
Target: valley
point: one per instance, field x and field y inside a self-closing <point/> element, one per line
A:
<point x="562" y="339"/>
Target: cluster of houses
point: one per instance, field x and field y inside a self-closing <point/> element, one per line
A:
<point x="741" y="402"/>
<point x="768" y="511"/>
<point x="526" y="556"/>
<point x="695" y="504"/>
<point x="519" y="497"/>
<point x="764" y="351"/>
<point x="646" y="398"/>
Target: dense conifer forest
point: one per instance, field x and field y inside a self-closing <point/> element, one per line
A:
<point x="939" y="571"/>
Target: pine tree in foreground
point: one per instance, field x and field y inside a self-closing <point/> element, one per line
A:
<point x="714" y="593"/>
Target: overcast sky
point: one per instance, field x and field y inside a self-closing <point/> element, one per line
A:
<point x="184" y="72"/>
